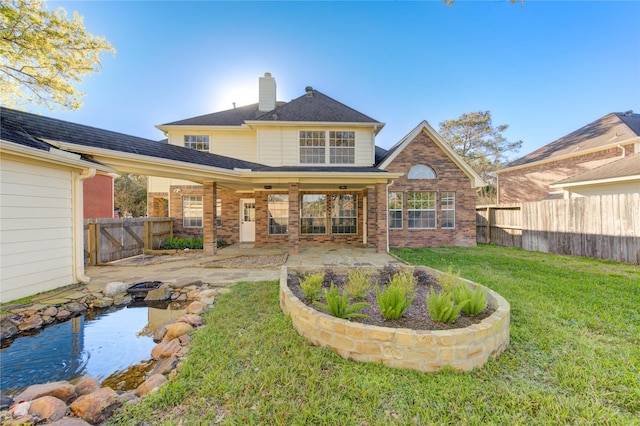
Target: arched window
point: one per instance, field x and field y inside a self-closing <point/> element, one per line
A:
<point x="420" y="171"/>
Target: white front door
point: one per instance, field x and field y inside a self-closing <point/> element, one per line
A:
<point x="247" y="220"/>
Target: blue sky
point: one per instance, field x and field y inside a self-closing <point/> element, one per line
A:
<point x="543" y="68"/>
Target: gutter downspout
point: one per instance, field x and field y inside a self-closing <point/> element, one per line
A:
<point x="387" y="204"/>
<point x="78" y="225"/>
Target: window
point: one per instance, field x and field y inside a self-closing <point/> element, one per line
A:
<point x="278" y="209"/>
<point x="344" y="214"/>
<point x="199" y="142"/>
<point x="421" y="209"/>
<point x="312" y="147"/>
<point x="218" y="212"/>
<point x="421" y="171"/>
<point x="342" y="147"/>
<point x="395" y="210"/>
<point x="448" y="206"/>
<point x="313" y="214"/>
<point x="191" y="212"/>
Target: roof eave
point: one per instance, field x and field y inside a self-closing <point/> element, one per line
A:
<point x="595" y="182"/>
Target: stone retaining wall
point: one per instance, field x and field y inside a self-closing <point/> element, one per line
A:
<point x="422" y="350"/>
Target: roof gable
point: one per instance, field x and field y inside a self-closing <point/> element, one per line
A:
<point x="230" y="117"/>
<point x="424" y="126"/>
<point x="612" y="129"/>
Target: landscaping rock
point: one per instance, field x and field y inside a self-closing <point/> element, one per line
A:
<point x="62" y="390"/>
<point x="114" y="288"/>
<point x="69" y="421"/>
<point x="128" y="398"/>
<point x="177" y="329"/>
<point x="181" y="298"/>
<point x="122" y="299"/>
<point x="208" y="293"/>
<point x="21" y="409"/>
<point x="5" y="402"/>
<point x="224" y="290"/>
<point x="165" y="365"/>
<point x="87" y="386"/>
<point x="160" y="294"/>
<point x="105" y="302"/>
<point x="51" y="311"/>
<point x="196" y="307"/>
<point x="31" y="323"/>
<point x="194" y="320"/>
<point x="161" y="331"/>
<point x="97" y="406"/>
<point x="48" y="408"/>
<point x="75" y="307"/>
<point x="22" y="421"/>
<point x="185" y="339"/>
<point x="7" y="329"/>
<point x="193" y="294"/>
<point x="63" y="314"/>
<point x="165" y="349"/>
<point x="46" y="320"/>
<point x="151" y="384"/>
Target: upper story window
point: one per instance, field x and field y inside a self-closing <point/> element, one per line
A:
<point x="420" y="171"/>
<point x="199" y="142"/>
<point x="342" y="147"/>
<point x="312" y="147"/>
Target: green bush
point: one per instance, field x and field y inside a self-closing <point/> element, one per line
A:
<point x="358" y="284"/>
<point x="311" y="286"/>
<point x="442" y="307"/>
<point x="182" y="243"/>
<point x="393" y="301"/>
<point x="340" y="306"/>
<point x="476" y="299"/>
<point x="449" y="280"/>
<point x="404" y="280"/>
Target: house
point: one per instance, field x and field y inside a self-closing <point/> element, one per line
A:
<point x="321" y="180"/>
<point x="536" y="176"/>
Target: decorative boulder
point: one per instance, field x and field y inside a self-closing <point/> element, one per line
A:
<point x="104" y="302"/>
<point x="114" y="288"/>
<point x="160" y="294"/>
<point x="150" y="384"/>
<point x="87" y="386"/>
<point x="48" y="408"/>
<point x="165" y="349"/>
<point x="7" y="329"/>
<point x="69" y="421"/>
<point x="31" y="323"/>
<point x="97" y="406"/>
<point x="62" y="390"/>
<point x="177" y="329"/>
<point x="194" y="320"/>
<point x="196" y="307"/>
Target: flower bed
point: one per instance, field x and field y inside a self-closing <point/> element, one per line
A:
<point x="423" y="350"/>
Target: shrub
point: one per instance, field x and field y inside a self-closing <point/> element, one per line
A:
<point x="182" y="243"/>
<point x="476" y="299"/>
<point x="330" y="276"/>
<point x="422" y="277"/>
<point x="311" y="285"/>
<point x="358" y="284"/>
<point x="449" y="280"/>
<point x="406" y="281"/>
<point x="340" y="305"/>
<point x="387" y="273"/>
<point x="393" y="301"/>
<point x="442" y="307"/>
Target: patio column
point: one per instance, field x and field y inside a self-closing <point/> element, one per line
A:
<point x="209" y="232"/>
<point x="381" y="218"/>
<point x="294" y="217"/>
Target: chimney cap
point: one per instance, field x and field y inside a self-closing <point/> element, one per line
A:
<point x="309" y="91"/>
<point x="267" y="74"/>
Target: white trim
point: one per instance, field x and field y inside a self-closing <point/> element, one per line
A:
<point x="595" y="182"/>
<point x="52" y="156"/>
<point x="424" y="126"/>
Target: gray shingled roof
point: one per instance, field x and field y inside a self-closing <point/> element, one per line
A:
<point x="607" y="130"/>
<point x="315" y="106"/>
<point x="627" y="166"/>
<point x="231" y="117"/>
<point x="28" y="129"/>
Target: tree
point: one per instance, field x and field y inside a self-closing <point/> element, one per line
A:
<point x="482" y="146"/>
<point x="130" y="194"/>
<point x="43" y="54"/>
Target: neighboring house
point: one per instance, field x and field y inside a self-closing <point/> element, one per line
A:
<point x="535" y="176"/>
<point x="617" y="177"/>
<point x="323" y="179"/>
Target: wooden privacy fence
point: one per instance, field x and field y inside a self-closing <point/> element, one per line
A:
<point x="106" y="240"/>
<point x="602" y="226"/>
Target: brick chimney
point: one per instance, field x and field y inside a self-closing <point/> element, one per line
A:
<point x="267" y="93"/>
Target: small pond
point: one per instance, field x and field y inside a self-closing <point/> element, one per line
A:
<point x="97" y="344"/>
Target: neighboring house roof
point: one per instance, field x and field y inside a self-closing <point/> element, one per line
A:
<point x="315" y="106"/>
<point x="379" y="154"/>
<point x="36" y="129"/>
<point x="626" y="168"/>
<point x="424" y="126"/>
<point x="230" y="117"/>
<point x="608" y="131"/>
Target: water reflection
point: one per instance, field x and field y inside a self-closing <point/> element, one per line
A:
<point x="91" y="346"/>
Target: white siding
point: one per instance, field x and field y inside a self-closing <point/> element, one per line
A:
<point x="36" y="229"/>
<point x="281" y="146"/>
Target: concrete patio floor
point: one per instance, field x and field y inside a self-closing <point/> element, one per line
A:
<point x="227" y="266"/>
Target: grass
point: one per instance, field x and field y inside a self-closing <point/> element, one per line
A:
<point x="574" y="357"/>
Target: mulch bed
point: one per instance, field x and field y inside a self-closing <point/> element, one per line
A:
<point x="416" y="316"/>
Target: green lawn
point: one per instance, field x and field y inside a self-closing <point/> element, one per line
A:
<point x="574" y="357"/>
